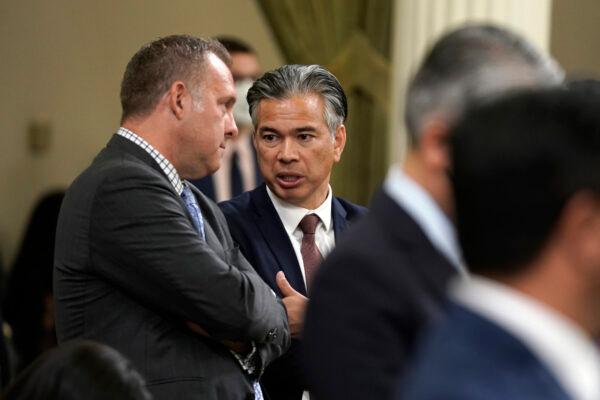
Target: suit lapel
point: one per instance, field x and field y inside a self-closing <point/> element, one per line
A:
<point x="338" y="214"/>
<point x="268" y="222"/>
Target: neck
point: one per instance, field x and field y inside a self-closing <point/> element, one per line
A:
<point x="153" y="132"/>
<point x="433" y="182"/>
<point x="575" y="298"/>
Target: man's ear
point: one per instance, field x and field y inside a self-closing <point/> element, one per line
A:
<point x="580" y="228"/>
<point x="339" y="141"/>
<point x="434" y="144"/>
<point x="178" y="96"/>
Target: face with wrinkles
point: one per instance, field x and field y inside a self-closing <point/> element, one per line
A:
<point x="208" y="122"/>
<point x="296" y="151"/>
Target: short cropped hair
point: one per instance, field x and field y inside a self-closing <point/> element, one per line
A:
<point x="154" y="68"/>
<point x="79" y="370"/>
<point x="469" y="64"/>
<point x="516" y="162"/>
<point x="298" y="80"/>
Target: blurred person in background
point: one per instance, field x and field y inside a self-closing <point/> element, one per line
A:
<point x="28" y="306"/>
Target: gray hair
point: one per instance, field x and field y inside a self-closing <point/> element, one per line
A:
<point x="292" y="80"/>
<point x="472" y="64"/>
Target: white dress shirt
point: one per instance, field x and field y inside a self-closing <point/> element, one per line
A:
<point x="291" y="216"/>
<point x="567" y="351"/>
<point x="427" y="214"/>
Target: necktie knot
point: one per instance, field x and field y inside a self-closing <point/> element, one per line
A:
<point x="308" y="224"/>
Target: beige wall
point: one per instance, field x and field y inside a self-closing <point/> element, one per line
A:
<point x="62" y="62"/>
<point x="575" y="36"/>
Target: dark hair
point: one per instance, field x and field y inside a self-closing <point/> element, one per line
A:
<point x="154" y="68"/>
<point x="291" y="80"/>
<point x="516" y="163"/>
<point x="235" y="45"/>
<point x="76" y="371"/>
<point x="29" y="286"/>
<point x="471" y="63"/>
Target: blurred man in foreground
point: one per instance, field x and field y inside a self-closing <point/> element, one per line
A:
<point x="527" y="192"/>
<point x="387" y="280"/>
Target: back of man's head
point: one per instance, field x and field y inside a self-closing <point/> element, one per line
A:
<point x="154" y="68"/>
<point x="469" y="64"/>
<point x="517" y="163"/>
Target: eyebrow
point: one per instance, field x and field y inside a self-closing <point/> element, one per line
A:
<point x="300" y="129"/>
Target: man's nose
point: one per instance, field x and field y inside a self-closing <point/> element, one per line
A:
<point x="231" y="130"/>
<point x="288" y="151"/>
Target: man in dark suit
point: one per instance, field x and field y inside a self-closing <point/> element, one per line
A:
<point x="144" y="262"/>
<point x="387" y="278"/>
<point x="298" y="113"/>
<point x="527" y="194"/>
<point x="239" y="170"/>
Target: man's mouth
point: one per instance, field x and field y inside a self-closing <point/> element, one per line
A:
<point x="289" y="181"/>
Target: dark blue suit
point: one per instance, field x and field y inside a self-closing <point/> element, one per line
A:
<point x="258" y="230"/>
<point x="468" y="357"/>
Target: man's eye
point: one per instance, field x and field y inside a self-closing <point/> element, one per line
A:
<point x="305" y="137"/>
<point x="268" y="138"/>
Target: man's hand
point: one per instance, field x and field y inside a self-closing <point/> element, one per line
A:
<point x="295" y="304"/>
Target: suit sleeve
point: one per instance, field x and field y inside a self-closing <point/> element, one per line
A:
<point x="143" y="243"/>
<point x="351" y="342"/>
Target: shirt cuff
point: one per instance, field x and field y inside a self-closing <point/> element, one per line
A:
<point x="249" y="362"/>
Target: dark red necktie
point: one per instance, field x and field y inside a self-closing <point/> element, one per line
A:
<point x="310" y="252"/>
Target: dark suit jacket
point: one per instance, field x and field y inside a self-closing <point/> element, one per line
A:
<point x="374" y="293"/>
<point x="468" y="357"/>
<point x="257" y="228"/>
<point x="130" y="268"/>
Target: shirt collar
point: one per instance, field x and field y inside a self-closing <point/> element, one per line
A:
<point x="291" y="215"/>
<point x="427" y="214"/>
<point x="164" y="164"/>
<point x="564" y="348"/>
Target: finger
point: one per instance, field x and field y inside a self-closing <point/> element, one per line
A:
<point x="284" y="285"/>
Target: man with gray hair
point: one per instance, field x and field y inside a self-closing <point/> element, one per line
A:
<point x="286" y="226"/>
<point x="144" y="262"/>
<point x="387" y="279"/>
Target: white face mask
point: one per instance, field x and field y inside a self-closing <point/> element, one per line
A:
<point x="241" y="110"/>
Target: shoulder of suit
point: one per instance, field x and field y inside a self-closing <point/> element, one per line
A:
<point x="351" y="208"/>
<point x="238" y="205"/>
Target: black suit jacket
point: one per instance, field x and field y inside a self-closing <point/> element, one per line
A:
<point x="257" y="228"/>
<point x="469" y="357"/>
<point x="374" y="293"/>
<point x="130" y="269"/>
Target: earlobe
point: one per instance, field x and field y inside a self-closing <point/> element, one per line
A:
<point x="434" y="145"/>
